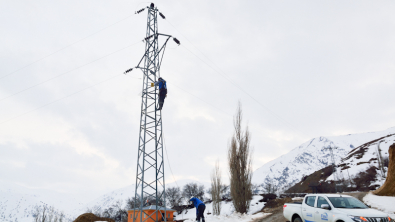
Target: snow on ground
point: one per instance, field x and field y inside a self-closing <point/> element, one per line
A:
<point x="227" y="212"/>
<point x="235" y="217"/>
<point x="383" y="203"/>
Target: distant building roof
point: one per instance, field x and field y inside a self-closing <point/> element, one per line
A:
<point x="153" y="207"/>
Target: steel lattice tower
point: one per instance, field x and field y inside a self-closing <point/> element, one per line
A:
<point x="150" y="175"/>
<point x="334" y="167"/>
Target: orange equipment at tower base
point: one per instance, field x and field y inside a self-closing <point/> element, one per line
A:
<point x="147" y="211"/>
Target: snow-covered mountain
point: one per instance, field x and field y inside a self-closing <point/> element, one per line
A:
<point x="313" y="155"/>
<point x="20" y="205"/>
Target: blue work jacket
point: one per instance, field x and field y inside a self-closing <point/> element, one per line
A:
<point x="196" y="202"/>
<point x="161" y="84"/>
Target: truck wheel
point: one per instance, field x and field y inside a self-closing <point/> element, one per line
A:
<point x="297" y="219"/>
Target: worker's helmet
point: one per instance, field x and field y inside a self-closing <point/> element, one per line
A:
<point x="160" y="78"/>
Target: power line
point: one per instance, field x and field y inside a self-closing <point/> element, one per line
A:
<point x="40" y="83"/>
<point x="197" y="98"/>
<point x="53" y="53"/>
<point x="227" y="78"/>
<point x="167" y="157"/>
<point x="241" y="89"/>
<point x="202" y="100"/>
<point x="57" y="100"/>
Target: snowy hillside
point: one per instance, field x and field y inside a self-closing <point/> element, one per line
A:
<point x="16" y="206"/>
<point x="360" y="158"/>
<point x="312" y="156"/>
<point x="107" y="200"/>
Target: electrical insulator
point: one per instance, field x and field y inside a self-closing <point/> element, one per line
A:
<point x="152" y="5"/>
<point x="161" y="15"/>
<point x="148" y="37"/>
<point x="176" y="40"/>
<point x="129" y="70"/>
<point x="140" y="11"/>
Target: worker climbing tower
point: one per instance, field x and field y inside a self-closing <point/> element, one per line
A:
<point x="150" y="175"/>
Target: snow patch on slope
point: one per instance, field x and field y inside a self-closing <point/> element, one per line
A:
<point x="310" y="157"/>
<point x="364" y="156"/>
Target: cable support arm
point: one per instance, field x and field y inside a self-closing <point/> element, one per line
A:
<point x="139" y="11"/>
<point x="164" y="45"/>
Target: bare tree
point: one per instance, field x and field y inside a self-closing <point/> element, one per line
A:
<point x="216" y="187"/>
<point x="36" y="214"/>
<point x="225" y="191"/>
<point x="240" y="161"/>
<point x="51" y="214"/>
<point x="270" y="186"/>
<point x="47" y="214"/>
<point x="193" y="189"/>
<point x="173" y="196"/>
<point x="132" y="203"/>
<point x="255" y="188"/>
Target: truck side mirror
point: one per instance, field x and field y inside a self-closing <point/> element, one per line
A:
<point x="325" y="206"/>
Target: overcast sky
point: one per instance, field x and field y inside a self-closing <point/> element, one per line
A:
<point x="310" y="68"/>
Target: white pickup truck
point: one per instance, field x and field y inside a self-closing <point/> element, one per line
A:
<point x="332" y="208"/>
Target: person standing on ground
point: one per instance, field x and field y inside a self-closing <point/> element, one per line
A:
<point x="200" y="207"/>
<point x="161" y="83"/>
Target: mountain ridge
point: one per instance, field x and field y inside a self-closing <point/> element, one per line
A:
<point x="309" y="157"/>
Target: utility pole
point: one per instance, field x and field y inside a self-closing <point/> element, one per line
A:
<point x="150" y="173"/>
<point x="334" y="168"/>
<point x="349" y="178"/>
<point x="380" y="160"/>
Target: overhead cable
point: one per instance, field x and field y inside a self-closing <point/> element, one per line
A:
<point x="241" y="89"/>
<point x="199" y="99"/>
<point x="53" y="53"/>
<point x="227" y="78"/>
<point x="40" y="83"/>
<point x="57" y="100"/>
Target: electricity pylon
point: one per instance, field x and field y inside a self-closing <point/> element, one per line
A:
<point x="334" y="168"/>
<point x="150" y="175"/>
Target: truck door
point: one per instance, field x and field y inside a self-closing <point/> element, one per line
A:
<point x="308" y="209"/>
<point x="323" y="215"/>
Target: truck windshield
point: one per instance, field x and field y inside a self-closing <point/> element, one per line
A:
<point x="347" y="202"/>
